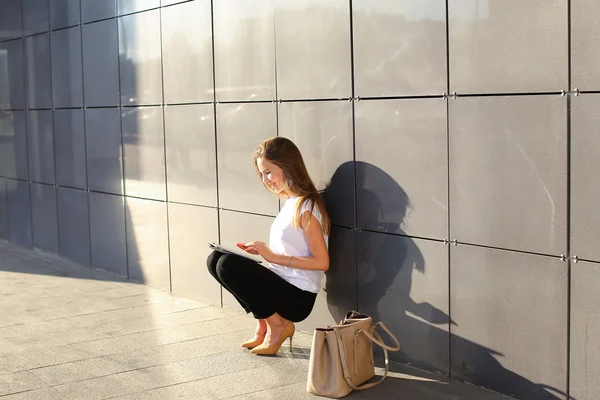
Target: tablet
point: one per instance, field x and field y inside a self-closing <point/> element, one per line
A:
<point x="237" y="251"/>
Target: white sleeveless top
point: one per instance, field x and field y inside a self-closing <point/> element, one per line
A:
<point x="285" y="239"/>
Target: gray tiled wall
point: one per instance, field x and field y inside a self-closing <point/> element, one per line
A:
<point x="456" y="142"/>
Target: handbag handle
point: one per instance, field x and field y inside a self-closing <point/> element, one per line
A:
<point x="342" y="350"/>
<point x="378" y="341"/>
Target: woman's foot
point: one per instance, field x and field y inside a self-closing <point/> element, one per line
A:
<point x="279" y="329"/>
<point x="259" y="335"/>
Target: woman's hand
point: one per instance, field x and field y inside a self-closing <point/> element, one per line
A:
<point x="258" y="248"/>
<point x="246" y="248"/>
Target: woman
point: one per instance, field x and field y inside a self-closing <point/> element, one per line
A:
<point x="297" y="255"/>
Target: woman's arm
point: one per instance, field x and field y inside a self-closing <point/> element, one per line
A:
<point x="319" y="261"/>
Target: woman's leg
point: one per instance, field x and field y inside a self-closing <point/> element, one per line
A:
<point x="247" y="281"/>
<point x="295" y="305"/>
<point x="269" y="296"/>
<point x="265" y="292"/>
<point x="261" y="328"/>
<point x="275" y="326"/>
<point x="211" y="262"/>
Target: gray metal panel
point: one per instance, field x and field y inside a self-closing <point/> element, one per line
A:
<point x="40" y="139"/>
<point x="399" y="47"/>
<point x="242" y="227"/>
<point x="313" y="49"/>
<point x="35" y="16"/>
<point x="103" y="143"/>
<point x="148" y="242"/>
<point x="585" y="182"/>
<point x="19" y="212"/>
<point x="190" y="140"/>
<point x="323" y="133"/>
<point x="140" y="59"/>
<point x="44" y="217"/>
<point x="94" y="10"/>
<point x="187" y="52"/>
<point x="69" y="136"/>
<point x="74" y="225"/>
<point x="510" y="311"/>
<point x="64" y="13"/>
<point x="4" y="228"/>
<point x="11" y="20"/>
<point x="585" y="328"/>
<point x="13" y="147"/>
<point x="508" y="47"/>
<point x="67" y="79"/>
<point x="338" y="287"/>
<point x="38" y="74"/>
<point x="107" y="232"/>
<point x="585" y="30"/>
<point x="100" y="63"/>
<point x="508" y="169"/>
<point x="190" y="227"/>
<point x="131" y="6"/>
<point x="144" y="152"/>
<point x="403" y="282"/>
<point x="12" y="90"/>
<point x="402" y="170"/>
<point x="244" y="49"/>
<point x="240" y="129"/>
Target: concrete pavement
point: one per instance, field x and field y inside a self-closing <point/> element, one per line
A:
<point x="70" y="332"/>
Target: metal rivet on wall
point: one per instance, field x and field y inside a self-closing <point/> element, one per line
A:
<point x="455" y="242"/>
<point x="563" y="93"/>
<point x="575" y="259"/>
<point x="576" y="92"/>
<point x="563" y="258"/>
<point x="454" y="95"/>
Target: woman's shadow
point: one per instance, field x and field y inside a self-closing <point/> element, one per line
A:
<point x="386" y="261"/>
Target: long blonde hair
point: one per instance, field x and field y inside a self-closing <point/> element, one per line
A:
<point x="284" y="153"/>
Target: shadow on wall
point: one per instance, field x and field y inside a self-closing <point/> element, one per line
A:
<point x="385" y="267"/>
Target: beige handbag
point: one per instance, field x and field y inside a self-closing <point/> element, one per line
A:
<point x="341" y="357"/>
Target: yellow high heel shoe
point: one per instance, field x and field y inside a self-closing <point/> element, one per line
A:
<point x="264" y="350"/>
<point x="250" y="344"/>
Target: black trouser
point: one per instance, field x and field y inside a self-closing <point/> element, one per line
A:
<point x="258" y="289"/>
